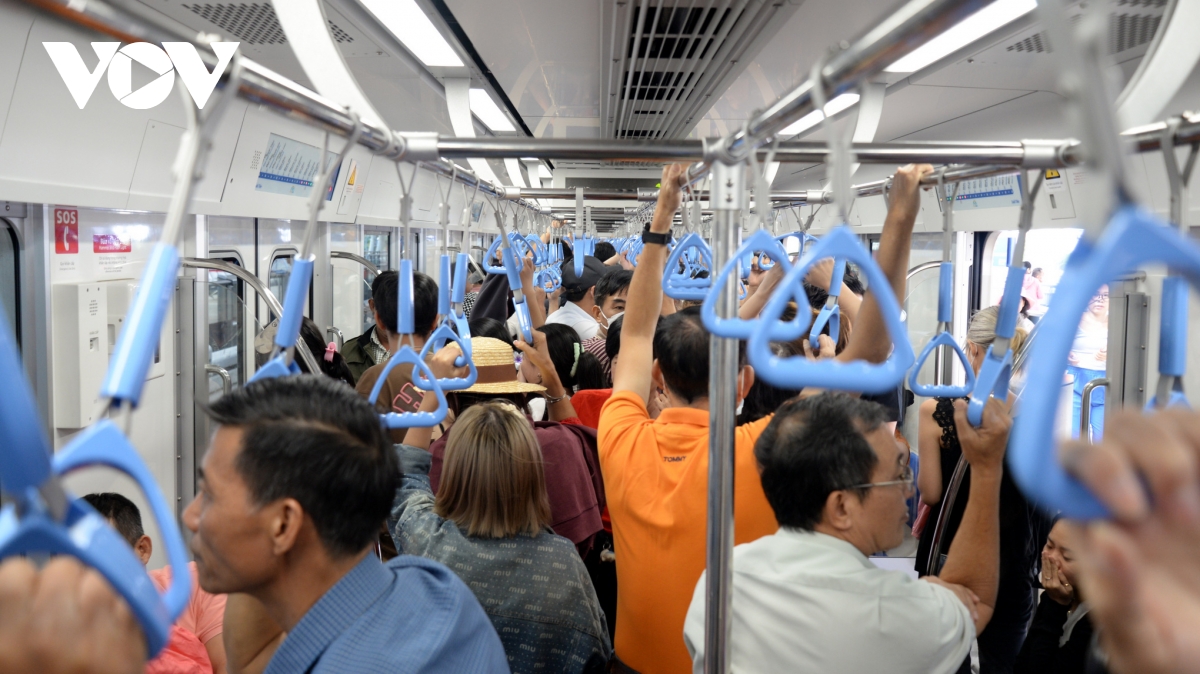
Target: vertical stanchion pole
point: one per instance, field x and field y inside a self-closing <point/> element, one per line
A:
<point x="728" y="198"/>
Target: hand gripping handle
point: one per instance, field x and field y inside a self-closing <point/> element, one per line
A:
<point x="942" y="390"/>
<point x="996" y="370"/>
<point x="491" y="255"/>
<point x="797" y="371"/>
<point x="681" y="287"/>
<point x="445" y="333"/>
<point x="735" y="328"/>
<point x="1132" y="239"/>
<point x="419" y="368"/>
<point x="103" y="444"/>
<point x="24" y="448"/>
<point x="87" y="537"/>
<point x="138" y="342"/>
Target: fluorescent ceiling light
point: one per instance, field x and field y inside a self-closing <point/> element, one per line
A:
<point x="970" y="29"/>
<point x="814" y="118"/>
<point x="483" y="105"/>
<point x="405" y="20"/>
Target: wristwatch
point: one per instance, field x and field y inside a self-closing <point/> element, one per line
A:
<point x="654" y="237"/>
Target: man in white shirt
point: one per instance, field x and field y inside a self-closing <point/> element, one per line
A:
<point x="807" y="599"/>
<point x="580" y="293"/>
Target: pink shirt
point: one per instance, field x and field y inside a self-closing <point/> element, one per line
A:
<point x="204" y="614"/>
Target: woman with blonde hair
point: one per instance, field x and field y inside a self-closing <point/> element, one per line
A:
<point x="1023" y="529"/>
<point x="490" y="524"/>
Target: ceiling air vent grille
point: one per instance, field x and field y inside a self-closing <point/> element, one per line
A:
<point x="1127" y="30"/>
<point x="666" y="62"/>
<point x="251" y="22"/>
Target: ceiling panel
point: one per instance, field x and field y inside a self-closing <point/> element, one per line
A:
<point x="917" y="107"/>
<point x="544" y="53"/>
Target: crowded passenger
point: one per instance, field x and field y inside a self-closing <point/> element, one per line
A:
<point x="194" y="645"/>
<point x="656" y="470"/>
<point x="490" y="523"/>
<point x="293" y="489"/>
<point x="1060" y="636"/>
<point x="397" y="393"/>
<point x="372" y="347"/>
<point x="1022" y="527"/>
<point x="579" y="291"/>
<point x="837" y="481"/>
<point x="573" y="482"/>
<point x="612" y="290"/>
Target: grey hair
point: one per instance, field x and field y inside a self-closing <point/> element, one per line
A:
<point x="982" y="330"/>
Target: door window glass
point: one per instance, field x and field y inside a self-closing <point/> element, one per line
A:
<point x="226" y="336"/>
<point x="10" y="279"/>
<point x="277" y="277"/>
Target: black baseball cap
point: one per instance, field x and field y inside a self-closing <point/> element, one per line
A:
<point x="593" y="269"/>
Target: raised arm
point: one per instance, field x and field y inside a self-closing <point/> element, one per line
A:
<point x="869" y="340"/>
<point x="821" y="276"/>
<point x="632" y="370"/>
<point x="974" y="558"/>
<point x="535" y="297"/>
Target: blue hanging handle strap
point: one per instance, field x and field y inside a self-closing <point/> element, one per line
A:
<point x="1132" y="239"/>
<point x="681" y="285"/>
<point x="760" y="242"/>
<point x="406" y="325"/>
<point x="996" y="370"/>
<point x="944" y="338"/>
<point x="512" y="268"/>
<point x="798" y="372"/>
<point x="831" y="313"/>
<point x="1172" y="336"/>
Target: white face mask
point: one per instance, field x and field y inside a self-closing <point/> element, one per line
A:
<point x="609" y="320"/>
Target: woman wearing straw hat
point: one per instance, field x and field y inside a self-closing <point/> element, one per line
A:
<point x="572" y="466"/>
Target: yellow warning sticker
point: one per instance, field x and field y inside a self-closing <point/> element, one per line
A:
<point x="1051" y="174"/>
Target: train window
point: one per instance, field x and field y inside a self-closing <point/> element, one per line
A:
<point x="278" y="274"/>
<point x="377" y="247"/>
<point x="10" y="278"/>
<point x="227" y="341"/>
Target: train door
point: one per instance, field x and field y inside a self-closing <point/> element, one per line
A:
<point x="10" y="277"/>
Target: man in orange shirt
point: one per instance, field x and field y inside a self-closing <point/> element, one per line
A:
<point x="195" y="643"/>
<point x="656" y="471"/>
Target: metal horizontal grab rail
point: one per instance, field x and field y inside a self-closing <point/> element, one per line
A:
<point x="344" y="255"/>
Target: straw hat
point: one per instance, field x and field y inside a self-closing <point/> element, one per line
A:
<point x="497" y="368"/>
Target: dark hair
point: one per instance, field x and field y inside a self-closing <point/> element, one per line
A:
<point x="490" y="327"/>
<point x="563" y="343"/>
<point x="605" y="251"/>
<point x="318" y="442"/>
<point x="612" y="341"/>
<point x="124" y="515"/>
<point x="460" y="402"/>
<point x="1027" y="265"/>
<point x="613" y="282"/>
<point x="764" y="398"/>
<point x="336" y="368"/>
<point x="385" y="290"/>
<point x="853" y="281"/>
<point x="681" y="349"/>
<point x="813" y="447"/>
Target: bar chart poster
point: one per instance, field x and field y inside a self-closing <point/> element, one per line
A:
<point x="993" y="192"/>
<point x="289" y="166"/>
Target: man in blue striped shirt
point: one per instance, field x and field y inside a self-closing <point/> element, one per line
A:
<point x="293" y="491"/>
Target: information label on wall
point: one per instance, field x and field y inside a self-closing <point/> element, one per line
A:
<point x="289" y="166"/>
<point x="994" y="192"/>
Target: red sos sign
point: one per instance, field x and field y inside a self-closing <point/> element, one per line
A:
<point x="66" y="231"/>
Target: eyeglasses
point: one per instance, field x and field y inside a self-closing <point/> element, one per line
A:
<point x="1102" y="297"/>
<point x="906" y="480"/>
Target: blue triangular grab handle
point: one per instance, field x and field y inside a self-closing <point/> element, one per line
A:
<point x="676" y="284"/>
<point x="420" y="369"/>
<point x="445" y="333"/>
<point x="944" y="390"/>
<point x="1132" y="239"/>
<point x="797" y="372"/>
<point x="736" y="328"/>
